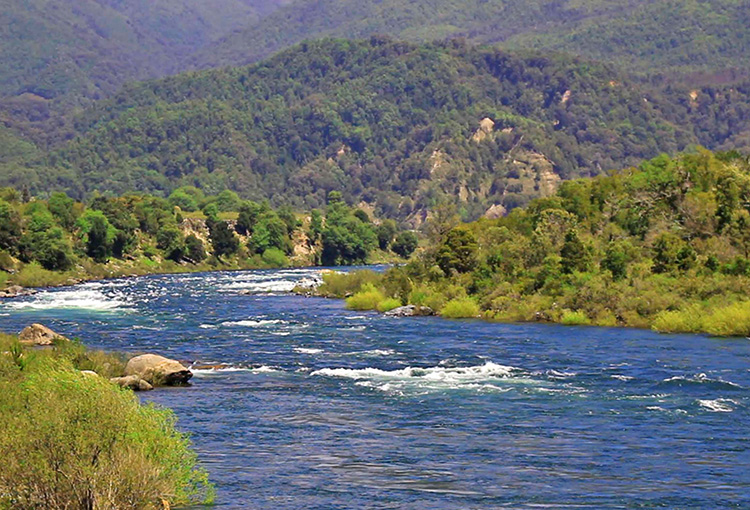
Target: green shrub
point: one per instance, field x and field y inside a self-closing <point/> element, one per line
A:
<point x="337" y="284"/>
<point x="688" y="320"/>
<point x="388" y="304"/>
<point x="460" y="308"/>
<point x="75" y="441"/>
<point x="34" y="275"/>
<point x="366" y="299"/>
<point x="574" y="318"/>
<point x="274" y="257"/>
<point x="732" y="320"/>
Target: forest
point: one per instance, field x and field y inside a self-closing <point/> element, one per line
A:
<point x="664" y="245"/>
<point x="61" y="241"/>
<point x="396" y="125"/>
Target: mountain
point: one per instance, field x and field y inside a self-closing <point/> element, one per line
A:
<point x="90" y="47"/>
<point x="647" y="36"/>
<point x="395" y="124"/>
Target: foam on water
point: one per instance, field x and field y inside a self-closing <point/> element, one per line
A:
<point x="307" y="350"/>
<point x="81" y="298"/>
<point x="439" y="378"/>
<point x="701" y="379"/>
<point x="250" y="323"/>
<point x="228" y="369"/>
<point x="719" y="405"/>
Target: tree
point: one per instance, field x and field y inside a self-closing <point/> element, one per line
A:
<point x="574" y="255"/>
<point x="99" y="235"/>
<point x="62" y="207"/>
<point x="666" y="249"/>
<point x="171" y="241"/>
<point x="316" y="226"/>
<point x="10" y="227"/>
<point x="223" y="240"/>
<point x="385" y="232"/>
<point x="270" y="232"/>
<point x="194" y="249"/>
<point x="248" y="215"/>
<point x="616" y="260"/>
<point x="458" y="252"/>
<point x="405" y="244"/>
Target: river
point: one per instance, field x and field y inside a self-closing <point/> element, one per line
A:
<point x="319" y="407"/>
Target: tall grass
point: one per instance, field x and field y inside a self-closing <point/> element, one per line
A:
<point x="460" y="308"/>
<point x="367" y="298"/>
<point x="728" y="320"/>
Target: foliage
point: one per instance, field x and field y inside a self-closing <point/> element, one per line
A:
<point x="460" y="308"/>
<point x="367" y="298"/>
<point x="274" y="257"/>
<point x="405" y="244"/>
<point x="72" y="440"/>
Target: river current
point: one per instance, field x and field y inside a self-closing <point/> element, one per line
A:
<point x="314" y="406"/>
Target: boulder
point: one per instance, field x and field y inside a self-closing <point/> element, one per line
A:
<point x="16" y="291"/>
<point x="158" y="370"/>
<point x="132" y="382"/>
<point x="410" y="311"/>
<point x="36" y="334"/>
<point x="89" y="373"/>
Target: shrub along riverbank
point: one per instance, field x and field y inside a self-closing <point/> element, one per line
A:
<point x="70" y="439"/>
<point x="57" y="241"/>
<point x="662" y="246"/>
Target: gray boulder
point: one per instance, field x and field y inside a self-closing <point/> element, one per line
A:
<point x="36" y="334"/>
<point x="410" y="311"/>
<point x="16" y="291"/>
<point x="158" y="370"/>
<point x="132" y="382"/>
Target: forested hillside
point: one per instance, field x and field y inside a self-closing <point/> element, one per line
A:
<point x="653" y="37"/>
<point x="663" y="245"/>
<point x="89" y="48"/>
<point x="396" y="124"/>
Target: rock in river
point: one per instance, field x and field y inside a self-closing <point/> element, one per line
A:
<point x="132" y="382"/>
<point x="410" y="311"/>
<point x="158" y="370"/>
<point x="36" y="334"/>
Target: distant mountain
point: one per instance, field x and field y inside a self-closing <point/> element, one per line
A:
<point x="396" y="124"/>
<point x="90" y="47"/>
<point x="648" y="36"/>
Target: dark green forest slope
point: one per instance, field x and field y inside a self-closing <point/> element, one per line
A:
<point x="396" y="124"/>
<point x="654" y="37"/>
<point x="90" y="47"/>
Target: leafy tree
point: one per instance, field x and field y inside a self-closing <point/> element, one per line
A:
<point x="171" y="241"/>
<point x="666" y="248"/>
<point x="270" y="232"/>
<point x="63" y="208"/>
<point x="458" y="252"/>
<point x="184" y="201"/>
<point x="316" y="226"/>
<point x="385" y="232"/>
<point x="223" y="240"/>
<point x="195" y="251"/>
<point x="10" y="226"/>
<point x="248" y="215"/>
<point x="99" y="235"/>
<point x="574" y="256"/>
<point x="616" y="260"/>
<point x="405" y="244"/>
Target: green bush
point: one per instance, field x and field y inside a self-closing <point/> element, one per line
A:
<point x="460" y="308"/>
<point x="274" y="257"/>
<point x="388" y="304"/>
<point x="34" y="275"/>
<point x="339" y="285"/>
<point x="574" y="318"/>
<point x="366" y="299"/>
<point x="76" y="441"/>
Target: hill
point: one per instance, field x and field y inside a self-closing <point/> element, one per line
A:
<point x="652" y="37"/>
<point x="395" y="124"/>
<point x="663" y="245"/>
<point x="89" y="48"/>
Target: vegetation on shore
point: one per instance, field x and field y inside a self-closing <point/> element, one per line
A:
<point x="58" y="240"/>
<point x="70" y="439"/>
<point x="665" y="245"/>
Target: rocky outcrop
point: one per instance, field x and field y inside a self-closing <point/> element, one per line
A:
<point x="495" y="212"/>
<point x="132" y="382"/>
<point x="16" y="291"/>
<point x="158" y="370"/>
<point x="36" y="334"/>
<point x="410" y="311"/>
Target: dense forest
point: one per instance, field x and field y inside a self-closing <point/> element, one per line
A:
<point x="664" y="245"/>
<point x="394" y="124"/>
<point x="662" y="38"/>
<point x="60" y="240"/>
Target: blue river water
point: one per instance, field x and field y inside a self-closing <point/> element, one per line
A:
<point x="318" y="407"/>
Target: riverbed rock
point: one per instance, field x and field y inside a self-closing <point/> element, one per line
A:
<point x="410" y="311"/>
<point x="89" y="373"/>
<point x="132" y="382"/>
<point x="36" y="334"/>
<point x="158" y="370"/>
<point x="16" y="291"/>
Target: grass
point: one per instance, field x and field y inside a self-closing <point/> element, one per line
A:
<point x="574" y="318"/>
<point x="388" y="304"/>
<point x="340" y="285"/>
<point x="728" y="320"/>
<point x="460" y="308"/>
<point x="367" y="298"/>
